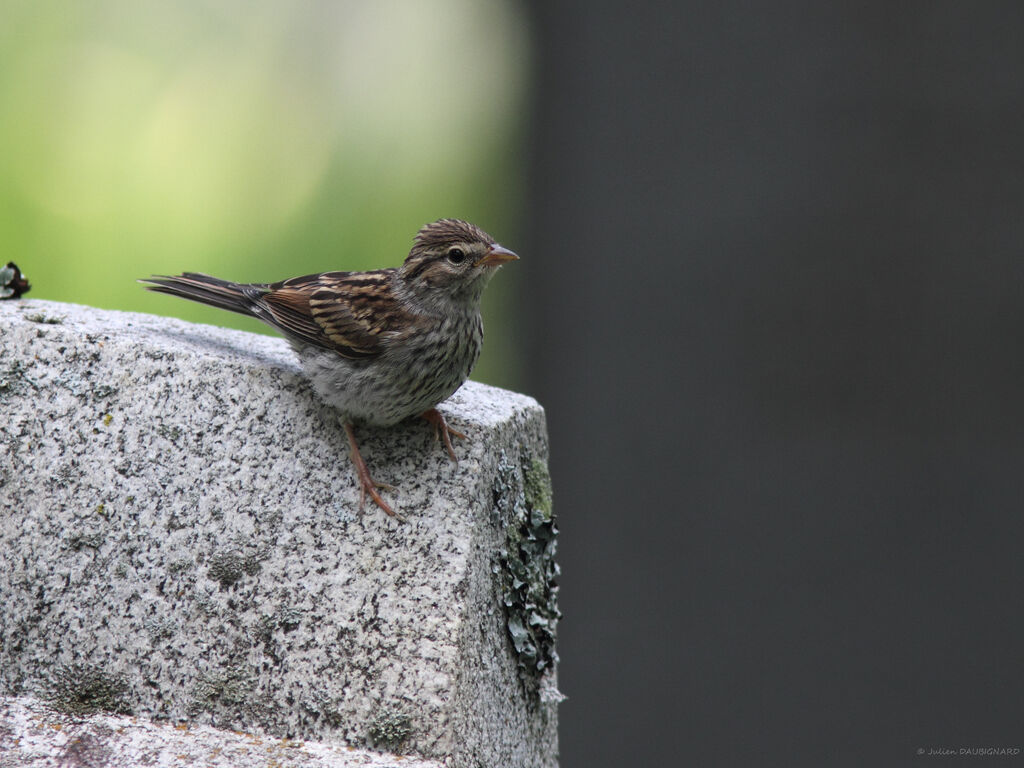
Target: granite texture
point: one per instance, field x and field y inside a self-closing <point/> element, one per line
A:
<point x="180" y="539"/>
<point x="33" y="735"/>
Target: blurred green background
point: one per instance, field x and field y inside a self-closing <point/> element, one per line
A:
<point x="256" y="140"/>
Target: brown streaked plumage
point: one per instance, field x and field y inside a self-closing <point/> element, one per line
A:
<point x="379" y="346"/>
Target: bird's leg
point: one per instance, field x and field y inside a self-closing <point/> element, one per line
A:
<point x="442" y="429"/>
<point x="366" y="483"/>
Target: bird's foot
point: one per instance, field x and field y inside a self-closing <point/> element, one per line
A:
<point x="442" y="430"/>
<point x="367" y="485"/>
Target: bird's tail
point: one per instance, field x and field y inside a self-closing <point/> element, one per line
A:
<point x="235" y="297"/>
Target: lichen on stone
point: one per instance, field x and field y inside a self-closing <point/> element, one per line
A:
<point x="42" y="317"/>
<point x="103" y="391"/>
<point x="230" y="688"/>
<point x="289" y="617"/>
<point x="390" y="728"/>
<point x="227" y="566"/>
<point x="159" y="627"/>
<point x="172" y="433"/>
<point x="11" y="375"/>
<point x="537" y="486"/>
<point x="180" y="565"/>
<point x="81" y="689"/>
<point x="526" y="567"/>
<point x="82" y="540"/>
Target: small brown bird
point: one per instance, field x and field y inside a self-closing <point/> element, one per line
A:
<point x="379" y="346"/>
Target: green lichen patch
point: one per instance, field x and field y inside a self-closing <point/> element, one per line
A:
<point x="228" y="566"/>
<point x="289" y="618"/>
<point x="159" y="627"/>
<point x="321" y="706"/>
<point x="263" y="630"/>
<point x="390" y="729"/>
<point x="102" y="392"/>
<point x="81" y="540"/>
<point x="231" y="694"/>
<point x="537" y="486"/>
<point x="42" y="317"/>
<point x="181" y="565"/>
<point x="527" y="569"/>
<point x="11" y="375"/>
<point x="229" y="688"/>
<point x="81" y="689"/>
<point x="172" y="433"/>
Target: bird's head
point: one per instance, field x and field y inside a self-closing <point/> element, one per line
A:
<point x="452" y="260"/>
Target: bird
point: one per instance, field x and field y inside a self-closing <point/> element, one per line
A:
<point x="379" y="346"/>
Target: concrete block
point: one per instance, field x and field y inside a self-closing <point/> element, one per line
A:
<point x="180" y="539"/>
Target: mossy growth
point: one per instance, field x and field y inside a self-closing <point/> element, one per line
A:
<point x="527" y="569"/>
<point x="390" y="729"/>
<point x="81" y="689"/>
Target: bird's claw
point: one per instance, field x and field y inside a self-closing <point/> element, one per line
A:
<point x="367" y="485"/>
<point x="443" y="431"/>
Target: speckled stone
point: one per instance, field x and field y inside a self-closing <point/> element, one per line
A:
<point x="180" y="539"/>
<point x="33" y="735"/>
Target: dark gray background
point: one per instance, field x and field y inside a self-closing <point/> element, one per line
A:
<point x="775" y="312"/>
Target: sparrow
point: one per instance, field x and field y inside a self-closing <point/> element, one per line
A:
<point x="379" y="346"/>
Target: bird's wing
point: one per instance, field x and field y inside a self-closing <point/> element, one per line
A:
<point x="352" y="313"/>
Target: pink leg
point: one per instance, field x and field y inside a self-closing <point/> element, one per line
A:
<point x="366" y="483"/>
<point x="441" y="428"/>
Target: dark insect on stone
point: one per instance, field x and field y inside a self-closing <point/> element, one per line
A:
<point x="12" y="283"/>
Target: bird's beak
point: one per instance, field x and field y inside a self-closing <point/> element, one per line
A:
<point x="495" y="257"/>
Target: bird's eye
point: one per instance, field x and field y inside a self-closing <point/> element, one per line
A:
<point x="456" y="255"/>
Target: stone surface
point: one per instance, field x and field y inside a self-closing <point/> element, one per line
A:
<point x="37" y="736"/>
<point x="180" y="539"/>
